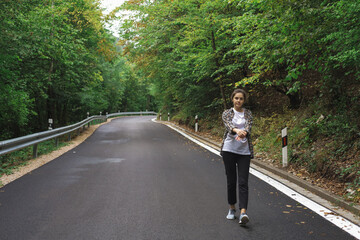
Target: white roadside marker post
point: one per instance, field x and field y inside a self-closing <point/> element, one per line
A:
<point x="50" y="123"/>
<point x="160" y="116"/>
<point x="196" y="123"/>
<point x="168" y="117"/>
<point x="284" y="147"/>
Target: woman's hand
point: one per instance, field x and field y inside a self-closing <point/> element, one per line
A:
<point x="240" y="133"/>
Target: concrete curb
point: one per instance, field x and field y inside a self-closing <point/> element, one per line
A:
<point x="338" y="201"/>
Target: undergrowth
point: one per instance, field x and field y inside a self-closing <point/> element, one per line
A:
<point x="325" y="144"/>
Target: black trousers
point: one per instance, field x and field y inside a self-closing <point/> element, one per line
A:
<point x="237" y="171"/>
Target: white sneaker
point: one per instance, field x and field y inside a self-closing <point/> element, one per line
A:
<point x="244" y="219"/>
<point x="231" y="214"/>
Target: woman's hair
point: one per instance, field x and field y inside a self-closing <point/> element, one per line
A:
<point x="238" y="90"/>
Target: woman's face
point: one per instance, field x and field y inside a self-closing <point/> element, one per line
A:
<point x="238" y="100"/>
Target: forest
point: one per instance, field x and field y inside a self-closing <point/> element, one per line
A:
<point x="299" y="61"/>
<point x="58" y="61"/>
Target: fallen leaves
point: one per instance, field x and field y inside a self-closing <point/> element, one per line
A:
<point x="329" y="213"/>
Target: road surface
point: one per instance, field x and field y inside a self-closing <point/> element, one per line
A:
<point x="136" y="179"/>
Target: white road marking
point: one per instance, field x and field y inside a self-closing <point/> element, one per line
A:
<point x="329" y="215"/>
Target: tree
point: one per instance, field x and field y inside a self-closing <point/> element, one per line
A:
<point x="58" y="58"/>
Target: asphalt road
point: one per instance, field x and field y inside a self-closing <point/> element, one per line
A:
<point x="135" y="179"/>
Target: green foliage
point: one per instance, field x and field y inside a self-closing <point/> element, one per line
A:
<point x="15" y="110"/>
<point x="341" y="45"/>
<point x="60" y="63"/>
<point x="217" y="45"/>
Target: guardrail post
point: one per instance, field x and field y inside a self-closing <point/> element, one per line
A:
<point x="35" y="151"/>
<point x="57" y="142"/>
<point x="196" y="123"/>
<point x="69" y="137"/>
<point x="284" y="147"/>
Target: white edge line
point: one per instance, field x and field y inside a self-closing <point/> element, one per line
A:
<point x="326" y="213"/>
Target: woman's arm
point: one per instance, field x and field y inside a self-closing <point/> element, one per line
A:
<point x="227" y="120"/>
<point x="248" y="122"/>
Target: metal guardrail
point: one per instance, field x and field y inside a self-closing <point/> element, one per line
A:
<point x="11" y="145"/>
<point x="131" y="113"/>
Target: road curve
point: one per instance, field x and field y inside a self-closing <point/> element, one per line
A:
<point x="136" y="179"/>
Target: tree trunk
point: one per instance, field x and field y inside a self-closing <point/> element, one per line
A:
<point x="49" y="102"/>
<point x="295" y="100"/>
<point x="213" y="45"/>
<point x="295" y="97"/>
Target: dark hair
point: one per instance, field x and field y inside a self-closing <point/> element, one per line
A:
<point x="238" y="90"/>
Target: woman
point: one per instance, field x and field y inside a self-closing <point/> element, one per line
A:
<point x="237" y="151"/>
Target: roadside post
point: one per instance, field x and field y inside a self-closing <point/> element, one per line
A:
<point x="35" y="151"/>
<point x="50" y="123"/>
<point x="168" y="117"/>
<point x="196" y="123"/>
<point x="160" y="116"/>
<point x="284" y="147"/>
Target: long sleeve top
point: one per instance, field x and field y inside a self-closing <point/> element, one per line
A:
<point x="227" y="118"/>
